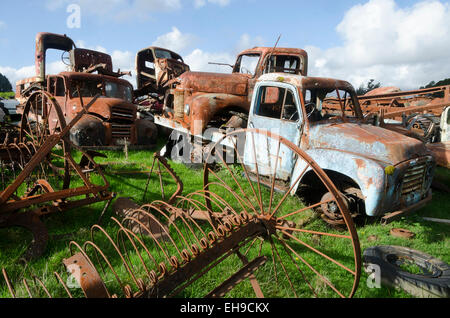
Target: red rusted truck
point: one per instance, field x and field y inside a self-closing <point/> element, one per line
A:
<point x="196" y="100"/>
<point x="112" y="120"/>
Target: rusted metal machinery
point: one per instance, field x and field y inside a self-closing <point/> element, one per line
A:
<point x="37" y="172"/>
<point x="417" y="110"/>
<point x="111" y="120"/>
<point x="197" y="243"/>
<point x="421" y="114"/>
<point x="391" y="100"/>
<point x="202" y="100"/>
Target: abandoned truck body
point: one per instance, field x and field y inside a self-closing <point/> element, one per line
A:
<point x="111" y="121"/>
<point x="387" y="171"/>
<point x="217" y="99"/>
<point x="155" y="67"/>
<point x="378" y="171"/>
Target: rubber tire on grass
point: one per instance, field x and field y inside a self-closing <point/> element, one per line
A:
<point x="435" y="285"/>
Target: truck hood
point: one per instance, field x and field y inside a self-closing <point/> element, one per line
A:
<point x="109" y="108"/>
<point x="367" y="141"/>
<point x="235" y="84"/>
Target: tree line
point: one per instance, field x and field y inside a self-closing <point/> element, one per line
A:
<point x="5" y="84"/>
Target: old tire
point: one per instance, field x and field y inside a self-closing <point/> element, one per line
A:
<point x="435" y="283"/>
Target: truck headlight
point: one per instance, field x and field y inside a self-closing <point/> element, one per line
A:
<point x="390" y="170"/>
<point x="187" y="109"/>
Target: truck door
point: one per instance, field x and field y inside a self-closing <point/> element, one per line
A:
<point x="445" y="125"/>
<point x="276" y="108"/>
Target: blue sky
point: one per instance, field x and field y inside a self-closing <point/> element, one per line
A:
<point x="398" y="42"/>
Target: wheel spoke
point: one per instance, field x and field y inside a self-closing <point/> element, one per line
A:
<point x="319" y="252"/>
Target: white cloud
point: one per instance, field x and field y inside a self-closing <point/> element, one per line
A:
<point x="124" y="60"/>
<point x="198" y="61"/>
<point x="82" y="44"/>
<point x="16" y="74"/>
<point x="174" y="40"/>
<point x="247" y="42"/>
<point x="405" y="47"/>
<point x="202" y="3"/>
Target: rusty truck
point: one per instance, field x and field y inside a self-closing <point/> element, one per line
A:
<point x="215" y="99"/>
<point x="111" y="121"/>
<point x="379" y="172"/>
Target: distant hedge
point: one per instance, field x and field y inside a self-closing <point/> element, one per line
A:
<point x="7" y="95"/>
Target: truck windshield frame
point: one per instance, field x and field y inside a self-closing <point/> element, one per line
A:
<point x="165" y="54"/>
<point x="323" y="103"/>
<point x="247" y="64"/>
<point x="106" y="88"/>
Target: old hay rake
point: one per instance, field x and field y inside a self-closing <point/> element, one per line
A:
<point x="38" y="169"/>
<point x="242" y="235"/>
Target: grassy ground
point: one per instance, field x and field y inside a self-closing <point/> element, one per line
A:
<point x="432" y="238"/>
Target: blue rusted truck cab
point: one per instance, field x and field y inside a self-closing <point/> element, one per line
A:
<point x="387" y="172"/>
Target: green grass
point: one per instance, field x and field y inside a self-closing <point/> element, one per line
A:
<point x="432" y="238"/>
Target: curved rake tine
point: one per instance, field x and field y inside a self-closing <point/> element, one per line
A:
<point x="130" y="272"/>
<point x="8" y="283"/>
<point x="186" y="224"/>
<point x="63" y="284"/>
<point x="25" y="283"/>
<point x="41" y="284"/>
<point x="97" y="249"/>
<point x="161" y="226"/>
<point x="152" y="236"/>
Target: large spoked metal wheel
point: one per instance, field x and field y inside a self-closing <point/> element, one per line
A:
<point x="42" y="117"/>
<point x="248" y="173"/>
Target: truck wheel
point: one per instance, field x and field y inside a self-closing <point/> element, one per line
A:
<point x="147" y="132"/>
<point x="415" y="272"/>
<point x="330" y="213"/>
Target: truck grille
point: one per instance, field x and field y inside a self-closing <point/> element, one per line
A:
<point x="122" y="113"/>
<point x="121" y="131"/>
<point x="414" y="178"/>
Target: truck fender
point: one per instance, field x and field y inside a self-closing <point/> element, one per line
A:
<point x="368" y="174"/>
<point x="89" y="131"/>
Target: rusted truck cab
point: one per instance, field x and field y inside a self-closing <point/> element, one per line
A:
<point x="377" y="170"/>
<point x="199" y="100"/>
<point x="155" y="67"/>
<point x="112" y="119"/>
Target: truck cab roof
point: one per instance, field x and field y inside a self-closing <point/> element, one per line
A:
<point x="306" y="81"/>
<point x="278" y="50"/>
